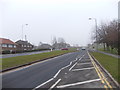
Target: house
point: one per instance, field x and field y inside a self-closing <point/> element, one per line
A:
<point x="7" y="45"/>
<point x="24" y="45"/>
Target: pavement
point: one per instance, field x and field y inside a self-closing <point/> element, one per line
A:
<point x="113" y="55"/>
<point x="22" y="54"/>
<point x="73" y="70"/>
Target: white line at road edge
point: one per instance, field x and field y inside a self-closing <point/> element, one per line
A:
<point x="83" y="69"/>
<point x="54" y="84"/>
<point x="78" y="83"/>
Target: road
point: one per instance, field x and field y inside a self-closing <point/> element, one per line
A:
<point x="73" y="70"/>
<point x="22" y="54"/>
<point x="36" y="74"/>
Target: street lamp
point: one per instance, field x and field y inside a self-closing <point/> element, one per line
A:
<point x="23" y="28"/>
<point x="96" y="28"/>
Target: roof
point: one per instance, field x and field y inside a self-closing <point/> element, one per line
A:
<point x="23" y="42"/>
<point x="6" y="41"/>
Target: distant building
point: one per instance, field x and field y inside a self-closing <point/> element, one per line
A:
<point x="7" y="45"/>
<point x="23" y="45"/>
<point x="44" y="46"/>
<point x="60" y="45"/>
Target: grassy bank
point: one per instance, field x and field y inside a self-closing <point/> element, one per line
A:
<point x="19" y="60"/>
<point x="109" y="63"/>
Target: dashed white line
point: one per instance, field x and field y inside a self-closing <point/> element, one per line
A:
<point x="78" y="83"/>
<point x="82" y="69"/>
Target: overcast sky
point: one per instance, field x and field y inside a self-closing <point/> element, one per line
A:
<point x="54" y="18"/>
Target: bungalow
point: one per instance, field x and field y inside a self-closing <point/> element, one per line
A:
<point x="7" y="45"/>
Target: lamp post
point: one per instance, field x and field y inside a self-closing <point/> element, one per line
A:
<point x="23" y="28"/>
<point x="96" y="30"/>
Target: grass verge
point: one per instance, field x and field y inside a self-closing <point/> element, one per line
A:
<point x="20" y="60"/>
<point x="109" y="63"/>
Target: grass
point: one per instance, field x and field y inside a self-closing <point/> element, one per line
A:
<point x="19" y="60"/>
<point x="109" y="63"/>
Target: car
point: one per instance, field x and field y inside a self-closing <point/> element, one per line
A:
<point x="64" y="49"/>
<point x="83" y="48"/>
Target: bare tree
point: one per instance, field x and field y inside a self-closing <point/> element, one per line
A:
<point x="107" y="34"/>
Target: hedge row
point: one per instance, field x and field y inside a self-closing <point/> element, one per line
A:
<point x="20" y="51"/>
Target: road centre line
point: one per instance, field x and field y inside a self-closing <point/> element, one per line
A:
<point x="54" y="84"/>
<point x="78" y="83"/>
<point x="43" y="84"/>
<point x="83" y="69"/>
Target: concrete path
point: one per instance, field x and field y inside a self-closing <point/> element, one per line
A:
<point x="113" y="55"/>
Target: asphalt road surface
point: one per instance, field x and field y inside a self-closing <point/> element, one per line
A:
<point x="21" y="54"/>
<point x="73" y="70"/>
<point x="36" y="74"/>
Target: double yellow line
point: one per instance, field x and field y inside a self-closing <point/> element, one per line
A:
<point x="101" y="75"/>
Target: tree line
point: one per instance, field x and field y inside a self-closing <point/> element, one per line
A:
<point x="108" y="34"/>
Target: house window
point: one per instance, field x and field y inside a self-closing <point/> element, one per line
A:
<point x="4" y="45"/>
<point x="14" y="46"/>
<point x="24" y="45"/>
<point x="10" y="45"/>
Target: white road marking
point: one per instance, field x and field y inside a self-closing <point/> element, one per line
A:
<point x="75" y="63"/>
<point x="57" y="73"/>
<point x="54" y="84"/>
<point x="84" y="63"/>
<point x="72" y="66"/>
<point x="53" y="77"/>
<point x="78" y="83"/>
<point x="43" y="84"/>
<point x="82" y="69"/>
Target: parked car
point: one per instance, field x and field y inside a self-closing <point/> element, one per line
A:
<point x="64" y="49"/>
